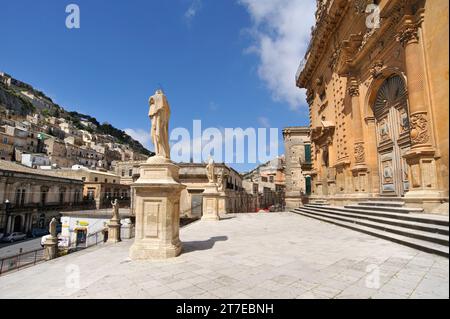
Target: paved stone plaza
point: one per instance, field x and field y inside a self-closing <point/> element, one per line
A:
<point x="244" y="256"/>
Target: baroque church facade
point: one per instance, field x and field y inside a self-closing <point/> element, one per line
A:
<point x="378" y="101"/>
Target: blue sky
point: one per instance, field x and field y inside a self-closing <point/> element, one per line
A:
<point x="227" y="63"/>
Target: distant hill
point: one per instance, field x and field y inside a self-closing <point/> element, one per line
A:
<point x="23" y="99"/>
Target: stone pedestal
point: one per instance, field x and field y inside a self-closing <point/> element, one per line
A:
<point x="51" y="248"/>
<point x="360" y="179"/>
<point x="293" y="200"/>
<point x="211" y="198"/>
<point x="157" y="209"/>
<point x="114" y="228"/>
<point x="127" y="229"/>
<point x="223" y="203"/>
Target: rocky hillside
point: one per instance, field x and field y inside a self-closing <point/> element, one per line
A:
<point x="22" y="99"/>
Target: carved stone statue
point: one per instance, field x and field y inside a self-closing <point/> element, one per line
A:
<point x="52" y="227"/>
<point x="210" y="171"/>
<point x="159" y="114"/>
<point x="220" y="180"/>
<point x="115" y="207"/>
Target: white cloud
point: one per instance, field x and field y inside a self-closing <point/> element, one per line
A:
<point x="281" y="31"/>
<point x="141" y="136"/>
<point x="193" y="9"/>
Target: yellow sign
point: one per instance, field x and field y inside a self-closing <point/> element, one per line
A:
<point x="82" y="223"/>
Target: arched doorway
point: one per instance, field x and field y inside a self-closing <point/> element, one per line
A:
<point x="17" y="224"/>
<point x="393" y="136"/>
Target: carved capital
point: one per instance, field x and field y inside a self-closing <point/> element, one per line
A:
<point x="353" y="87"/>
<point x="409" y="31"/>
<point x="419" y="128"/>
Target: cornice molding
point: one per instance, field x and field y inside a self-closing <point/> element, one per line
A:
<point x="348" y="54"/>
<point x="329" y="16"/>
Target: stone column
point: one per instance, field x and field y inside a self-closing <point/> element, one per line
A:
<point x="359" y="168"/>
<point x="23" y="220"/>
<point x="114" y="226"/>
<point x="420" y="158"/>
<point x="157" y="208"/>
<point x="9" y="225"/>
<point x="30" y="222"/>
<point x="25" y="227"/>
<point x="211" y="197"/>
<point x="3" y="186"/>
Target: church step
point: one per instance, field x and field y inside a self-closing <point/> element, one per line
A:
<point x="422" y="245"/>
<point x="320" y="202"/>
<point x="392" y="209"/>
<point x="420" y="218"/>
<point x="426" y="227"/>
<point x="413" y="233"/>
<point x="383" y="203"/>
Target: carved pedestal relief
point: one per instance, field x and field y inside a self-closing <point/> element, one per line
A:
<point x="419" y="129"/>
<point x="359" y="153"/>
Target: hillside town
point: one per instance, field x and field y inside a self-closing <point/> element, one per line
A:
<point x="51" y="166"/>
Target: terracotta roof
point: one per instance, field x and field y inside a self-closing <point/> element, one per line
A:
<point x="14" y="167"/>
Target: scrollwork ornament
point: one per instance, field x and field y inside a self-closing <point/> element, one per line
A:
<point x="359" y="153"/>
<point x="408" y="34"/>
<point x="419" y="129"/>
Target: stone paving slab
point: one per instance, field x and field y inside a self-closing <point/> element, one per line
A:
<point x="276" y="255"/>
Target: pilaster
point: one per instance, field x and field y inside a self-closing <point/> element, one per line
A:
<point x="421" y="157"/>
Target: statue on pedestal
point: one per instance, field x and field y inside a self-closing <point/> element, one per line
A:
<point x="51" y="242"/>
<point x="159" y="114"/>
<point x="157" y="192"/>
<point x="114" y="224"/>
<point x="52" y="227"/>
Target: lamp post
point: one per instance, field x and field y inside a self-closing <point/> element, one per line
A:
<point x="7" y="212"/>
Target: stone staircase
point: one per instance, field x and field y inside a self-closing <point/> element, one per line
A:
<point x="320" y="202"/>
<point x="388" y="220"/>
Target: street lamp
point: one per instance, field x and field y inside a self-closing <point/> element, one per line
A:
<point x="7" y="212"/>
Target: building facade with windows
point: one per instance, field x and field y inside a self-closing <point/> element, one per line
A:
<point x="378" y="101"/>
<point x="99" y="186"/>
<point x="31" y="197"/>
<point x="297" y="146"/>
<point x="194" y="177"/>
